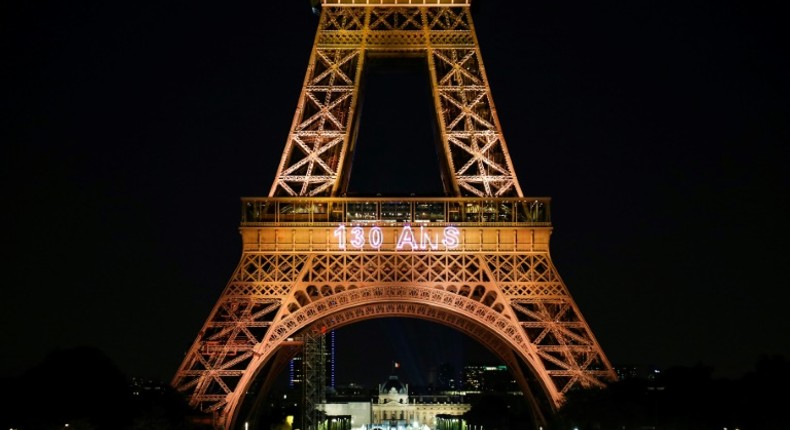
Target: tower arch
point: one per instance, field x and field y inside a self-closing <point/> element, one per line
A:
<point x="478" y="261"/>
<point x="419" y="302"/>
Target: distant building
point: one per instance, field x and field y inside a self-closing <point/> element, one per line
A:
<point x="358" y="411"/>
<point x="147" y="387"/>
<point x="295" y="372"/>
<point x="296" y="365"/>
<point x="395" y="407"/>
<point x="636" y="372"/>
<point x="447" y="377"/>
<point x="488" y="379"/>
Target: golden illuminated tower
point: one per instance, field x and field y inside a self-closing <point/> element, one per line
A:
<point x="476" y="260"/>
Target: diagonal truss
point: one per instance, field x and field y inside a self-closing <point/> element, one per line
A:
<point x="496" y="283"/>
<point x="513" y="302"/>
<point x="317" y="156"/>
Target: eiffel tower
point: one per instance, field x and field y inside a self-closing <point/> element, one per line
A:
<point x="476" y="259"/>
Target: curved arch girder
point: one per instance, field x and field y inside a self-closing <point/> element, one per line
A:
<point x="518" y="297"/>
<point x="499" y="334"/>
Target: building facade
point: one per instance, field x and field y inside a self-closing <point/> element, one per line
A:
<point x="394" y="408"/>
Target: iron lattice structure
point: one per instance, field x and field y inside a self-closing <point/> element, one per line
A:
<point x="314" y="384"/>
<point x="318" y="153"/>
<point x="311" y="261"/>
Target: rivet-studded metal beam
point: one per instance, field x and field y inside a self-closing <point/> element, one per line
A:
<point x="318" y="152"/>
<point x="477" y="260"/>
<point x="490" y="279"/>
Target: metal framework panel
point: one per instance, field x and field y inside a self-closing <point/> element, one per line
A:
<point x="485" y="271"/>
<point x="478" y="261"/>
<point x="317" y="157"/>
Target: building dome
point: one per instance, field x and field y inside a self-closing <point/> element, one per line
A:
<point x="393" y="386"/>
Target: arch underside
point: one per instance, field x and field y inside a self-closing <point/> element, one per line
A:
<point x="513" y="303"/>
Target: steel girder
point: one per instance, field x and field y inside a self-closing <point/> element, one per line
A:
<point x="317" y="157"/>
<point x="508" y="297"/>
<point x="515" y="303"/>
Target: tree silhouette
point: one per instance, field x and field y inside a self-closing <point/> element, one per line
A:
<point x="684" y="398"/>
<point x="83" y="388"/>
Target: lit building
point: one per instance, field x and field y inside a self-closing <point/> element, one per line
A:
<point x="296" y="365"/>
<point x="394" y="407"/>
<point x="486" y="379"/>
<point x="295" y="372"/>
<point x="625" y="372"/>
<point x="447" y="378"/>
<point x="359" y="412"/>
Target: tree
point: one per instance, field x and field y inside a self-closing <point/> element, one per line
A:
<point x="79" y="385"/>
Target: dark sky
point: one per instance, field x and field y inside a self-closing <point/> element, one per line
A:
<point x="131" y="129"/>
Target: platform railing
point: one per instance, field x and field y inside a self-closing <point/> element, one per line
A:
<point x="379" y="3"/>
<point x="533" y="211"/>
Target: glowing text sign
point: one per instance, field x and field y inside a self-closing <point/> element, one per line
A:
<point x="409" y="239"/>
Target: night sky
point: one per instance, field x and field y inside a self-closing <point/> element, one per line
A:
<point x="131" y="129"/>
